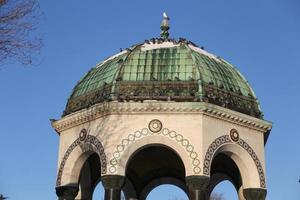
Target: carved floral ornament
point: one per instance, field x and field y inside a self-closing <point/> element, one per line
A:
<point x="233" y="137"/>
<point x="155" y="127"/>
<point x="83" y="134"/>
<point x="86" y="143"/>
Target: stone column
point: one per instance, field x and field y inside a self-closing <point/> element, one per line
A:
<point x="255" y="193"/>
<point x="197" y="187"/>
<point x="113" y="185"/>
<point x="67" y="192"/>
<point x="241" y="193"/>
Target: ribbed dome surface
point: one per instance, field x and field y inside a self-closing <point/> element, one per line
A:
<point x="165" y="70"/>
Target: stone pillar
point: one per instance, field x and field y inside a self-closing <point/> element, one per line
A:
<point x="241" y="194"/>
<point x="255" y="194"/>
<point x="113" y="185"/>
<point x="67" y="192"/>
<point x="197" y="187"/>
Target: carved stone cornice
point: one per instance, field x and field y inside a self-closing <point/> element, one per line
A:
<point x="163" y="107"/>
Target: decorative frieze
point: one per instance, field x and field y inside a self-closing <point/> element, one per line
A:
<point x="155" y="107"/>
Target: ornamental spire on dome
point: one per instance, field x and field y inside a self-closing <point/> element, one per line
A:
<point x="165" y="26"/>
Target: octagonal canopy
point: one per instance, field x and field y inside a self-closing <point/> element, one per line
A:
<point x="165" y="70"/>
<point x="152" y="114"/>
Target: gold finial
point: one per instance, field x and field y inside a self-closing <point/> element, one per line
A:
<point x="165" y="26"/>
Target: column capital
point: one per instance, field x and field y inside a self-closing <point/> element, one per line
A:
<point x="112" y="185"/>
<point x="67" y="192"/>
<point x="197" y="187"/>
<point x="197" y="182"/>
<point x="113" y="181"/>
<point x="255" y="193"/>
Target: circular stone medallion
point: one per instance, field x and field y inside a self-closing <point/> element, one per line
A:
<point x="83" y="134"/>
<point x="155" y="125"/>
<point x="234" y="135"/>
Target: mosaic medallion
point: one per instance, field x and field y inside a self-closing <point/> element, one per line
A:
<point x="155" y="125"/>
<point x="234" y="135"/>
<point x="83" y="134"/>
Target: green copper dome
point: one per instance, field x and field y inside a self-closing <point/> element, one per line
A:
<point x="165" y="70"/>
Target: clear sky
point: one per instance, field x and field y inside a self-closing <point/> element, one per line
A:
<point x="261" y="38"/>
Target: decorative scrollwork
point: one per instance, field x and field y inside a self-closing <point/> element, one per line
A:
<point x="147" y="90"/>
<point x="100" y="95"/>
<point x="232" y="100"/>
<point x="225" y="139"/>
<point x="86" y="143"/>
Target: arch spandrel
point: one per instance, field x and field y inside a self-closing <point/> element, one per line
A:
<point x="145" y="137"/>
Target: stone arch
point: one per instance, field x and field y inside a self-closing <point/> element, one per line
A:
<point x="166" y="137"/>
<point x="224" y="169"/>
<point x="153" y="165"/>
<point x="240" y="151"/>
<point x="90" y="174"/>
<point x="84" y="146"/>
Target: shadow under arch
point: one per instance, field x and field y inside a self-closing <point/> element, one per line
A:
<point x="223" y="168"/>
<point x="153" y="165"/>
<point x="90" y="176"/>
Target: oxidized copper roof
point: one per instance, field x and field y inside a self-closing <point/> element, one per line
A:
<point x="165" y="70"/>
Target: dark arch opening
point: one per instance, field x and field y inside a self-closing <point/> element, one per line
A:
<point x="152" y="166"/>
<point x="223" y="168"/>
<point x="90" y="175"/>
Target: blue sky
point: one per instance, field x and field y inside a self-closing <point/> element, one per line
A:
<point x="261" y="38"/>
